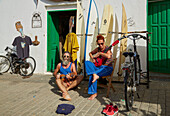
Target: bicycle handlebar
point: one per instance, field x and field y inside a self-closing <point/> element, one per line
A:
<point x="131" y="36"/>
<point x="9" y="48"/>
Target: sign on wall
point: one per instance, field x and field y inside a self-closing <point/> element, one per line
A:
<point x="36" y="21"/>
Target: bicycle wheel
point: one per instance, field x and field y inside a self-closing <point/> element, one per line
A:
<point x="27" y="68"/>
<point x="4" y="64"/>
<point x="129" y="94"/>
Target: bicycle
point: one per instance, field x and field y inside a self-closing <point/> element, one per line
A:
<point x="132" y="71"/>
<point x="23" y="67"/>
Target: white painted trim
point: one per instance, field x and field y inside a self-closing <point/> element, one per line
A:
<point x="57" y="7"/>
<point x="62" y="6"/>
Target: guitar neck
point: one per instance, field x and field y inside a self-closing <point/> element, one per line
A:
<point x="107" y="48"/>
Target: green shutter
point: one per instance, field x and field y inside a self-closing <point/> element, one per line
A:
<point x="159" y="47"/>
<point x="52" y="41"/>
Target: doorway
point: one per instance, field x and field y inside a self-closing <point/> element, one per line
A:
<point x="57" y="29"/>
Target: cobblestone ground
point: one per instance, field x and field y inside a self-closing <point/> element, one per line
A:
<point x="39" y="96"/>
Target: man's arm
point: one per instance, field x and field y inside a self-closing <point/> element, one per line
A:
<point x="106" y="55"/>
<point x="91" y="54"/>
<point x="74" y="69"/>
<point x="57" y="69"/>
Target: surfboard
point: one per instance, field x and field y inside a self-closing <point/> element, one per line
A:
<point x="80" y="31"/>
<point x="92" y="21"/>
<point x="115" y="38"/>
<point x="123" y="43"/>
<point x="107" y="24"/>
<point x="96" y="32"/>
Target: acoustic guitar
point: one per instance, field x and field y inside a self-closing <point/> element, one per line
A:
<point x="63" y="76"/>
<point x="100" y="60"/>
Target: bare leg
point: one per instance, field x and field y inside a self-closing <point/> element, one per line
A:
<point x="75" y="82"/>
<point x="95" y="77"/>
<point x="62" y="88"/>
<point x="92" y="96"/>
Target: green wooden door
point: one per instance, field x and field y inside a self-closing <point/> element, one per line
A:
<point x="52" y="40"/>
<point x="159" y="47"/>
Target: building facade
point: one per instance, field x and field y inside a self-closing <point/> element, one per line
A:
<point x="49" y="19"/>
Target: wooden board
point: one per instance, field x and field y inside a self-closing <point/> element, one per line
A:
<point x="80" y="31"/>
<point x="107" y="23"/>
<point x="123" y="43"/>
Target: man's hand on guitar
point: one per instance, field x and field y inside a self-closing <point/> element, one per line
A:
<point x="97" y="55"/>
<point x="93" y="60"/>
<point x="68" y="77"/>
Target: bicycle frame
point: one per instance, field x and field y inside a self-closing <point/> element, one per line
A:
<point x="135" y="58"/>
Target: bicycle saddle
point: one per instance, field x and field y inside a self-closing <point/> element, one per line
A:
<point x="128" y="54"/>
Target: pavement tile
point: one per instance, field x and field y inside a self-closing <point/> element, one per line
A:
<point x="40" y="96"/>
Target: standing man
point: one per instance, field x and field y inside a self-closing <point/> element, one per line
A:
<point x="21" y="42"/>
<point x="68" y="81"/>
<point x="96" y="71"/>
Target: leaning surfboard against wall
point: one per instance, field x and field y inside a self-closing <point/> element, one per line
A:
<point x="80" y="31"/>
<point x="107" y="23"/>
<point x="91" y="27"/>
<point x="123" y="44"/>
<point x="96" y="32"/>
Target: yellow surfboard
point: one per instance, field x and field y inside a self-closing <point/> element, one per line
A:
<point x="107" y="24"/>
<point x="80" y="31"/>
<point x="123" y="43"/>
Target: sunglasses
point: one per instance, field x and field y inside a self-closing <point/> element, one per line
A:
<point x="66" y="56"/>
<point x="100" y="44"/>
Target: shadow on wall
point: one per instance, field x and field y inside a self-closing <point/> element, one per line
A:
<point x="142" y="51"/>
<point x="162" y="66"/>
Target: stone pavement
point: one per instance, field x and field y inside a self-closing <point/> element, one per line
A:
<point x="39" y="96"/>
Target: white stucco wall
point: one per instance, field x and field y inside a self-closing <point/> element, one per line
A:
<point x="136" y="19"/>
<point x="22" y="10"/>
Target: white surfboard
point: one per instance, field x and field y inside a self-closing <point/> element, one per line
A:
<point x="80" y="31"/>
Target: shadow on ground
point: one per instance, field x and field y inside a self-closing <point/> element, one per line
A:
<point x="147" y="99"/>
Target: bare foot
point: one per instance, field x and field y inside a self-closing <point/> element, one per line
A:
<point x="95" y="77"/>
<point x="67" y="88"/>
<point x="92" y="96"/>
<point x="66" y="96"/>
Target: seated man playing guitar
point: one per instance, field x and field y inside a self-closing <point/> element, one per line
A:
<point x="66" y="75"/>
<point x="101" y="66"/>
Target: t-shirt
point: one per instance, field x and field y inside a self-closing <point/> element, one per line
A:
<point x="106" y="61"/>
<point x="22" y="46"/>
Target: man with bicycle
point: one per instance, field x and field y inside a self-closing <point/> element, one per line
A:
<point x="66" y="76"/>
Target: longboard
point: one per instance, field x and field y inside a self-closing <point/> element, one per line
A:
<point x="123" y="44"/>
<point x="107" y="24"/>
<point x="80" y="31"/>
<point x="115" y="37"/>
<point x="96" y="32"/>
<point x="91" y="27"/>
